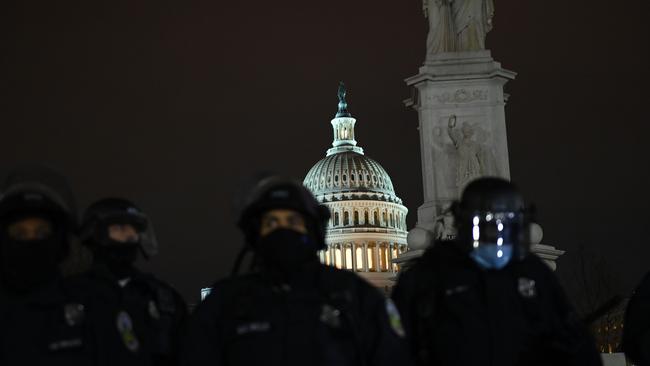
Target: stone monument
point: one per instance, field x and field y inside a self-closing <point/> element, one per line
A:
<point x="459" y="97"/>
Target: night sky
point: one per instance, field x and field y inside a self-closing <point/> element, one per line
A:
<point x="175" y="103"/>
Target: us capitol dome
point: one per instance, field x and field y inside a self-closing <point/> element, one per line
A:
<point x="368" y="225"/>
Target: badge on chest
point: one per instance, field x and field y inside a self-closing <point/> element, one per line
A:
<point x="330" y="316"/>
<point x="527" y="288"/>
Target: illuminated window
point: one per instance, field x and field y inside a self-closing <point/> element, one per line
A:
<point x="348" y="257"/>
<point x="359" y="255"/>
<point x="338" y="261"/>
<point x="383" y="257"/>
<point x="327" y="257"/>
<point x="371" y="257"/>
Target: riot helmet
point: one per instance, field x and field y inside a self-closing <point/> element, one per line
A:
<point x="37" y="219"/>
<point x="284" y="248"/>
<point x="279" y="193"/>
<point x="492" y="222"/>
<point x="115" y="230"/>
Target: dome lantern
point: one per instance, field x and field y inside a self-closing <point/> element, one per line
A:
<point x="343" y="125"/>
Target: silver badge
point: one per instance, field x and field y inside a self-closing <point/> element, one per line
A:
<point x="330" y="316"/>
<point x="153" y="310"/>
<point x="125" y="327"/>
<point x="527" y="288"/>
<point x="74" y="314"/>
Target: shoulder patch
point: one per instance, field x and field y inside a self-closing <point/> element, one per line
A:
<point x="125" y="328"/>
<point x="394" y="318"/>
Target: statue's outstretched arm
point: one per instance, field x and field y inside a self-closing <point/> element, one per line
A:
<point x="453" y="134"/>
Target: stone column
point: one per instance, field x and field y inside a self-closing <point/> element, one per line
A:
<point x="343" y="259"/>
<point x="376" y="255"/>
<point x="365" y="257"/>
<point x="354" y="257"/>
<point x="390" y="256"/>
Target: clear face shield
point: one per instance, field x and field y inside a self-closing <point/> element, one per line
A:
<point x="130" y="226"/>
<point x="496" y="238"/>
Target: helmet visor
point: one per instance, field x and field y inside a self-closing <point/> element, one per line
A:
<point x="130" y="226"/>
<point x="496" y="228"/>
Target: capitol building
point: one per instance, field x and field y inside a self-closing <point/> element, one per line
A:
<point x="367" y="229"/>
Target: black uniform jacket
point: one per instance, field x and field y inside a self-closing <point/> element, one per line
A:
<point x="323" y="316"/>
<point x="142" y="319"/>
<point x="458" y="314"/>
<point x="55" y="325"/>
<point x="636" y="331"/>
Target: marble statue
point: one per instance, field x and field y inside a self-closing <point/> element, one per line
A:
<point x="473" y="21"/>
<point x="474" y="158"/>
<point x="458" y="25"/>
<point x="441" y="36"/>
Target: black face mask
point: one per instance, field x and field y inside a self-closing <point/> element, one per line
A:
<point x="118" y="257"/>
<point x="286" y="250"/>
<point x="30" y="264"/>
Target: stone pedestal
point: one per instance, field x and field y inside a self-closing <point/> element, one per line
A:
<point x="461" y="110"/>
<point x="469" y="86"/>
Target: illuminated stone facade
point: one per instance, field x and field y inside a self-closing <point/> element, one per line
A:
<point x="368" y="225"/>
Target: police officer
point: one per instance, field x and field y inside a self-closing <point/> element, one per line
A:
<point x="149" y="314"/>
<point x="290" y="309"/>
<point x="636" y="330"/>
<point x="483" y="299"/>
<point x="44" y="320"/>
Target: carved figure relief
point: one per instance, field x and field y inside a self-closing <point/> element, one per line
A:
<point x="444" y="229"/>
<point x="475" y="158"/>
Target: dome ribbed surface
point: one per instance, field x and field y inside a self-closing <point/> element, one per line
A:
<point x="348" y="172"/>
